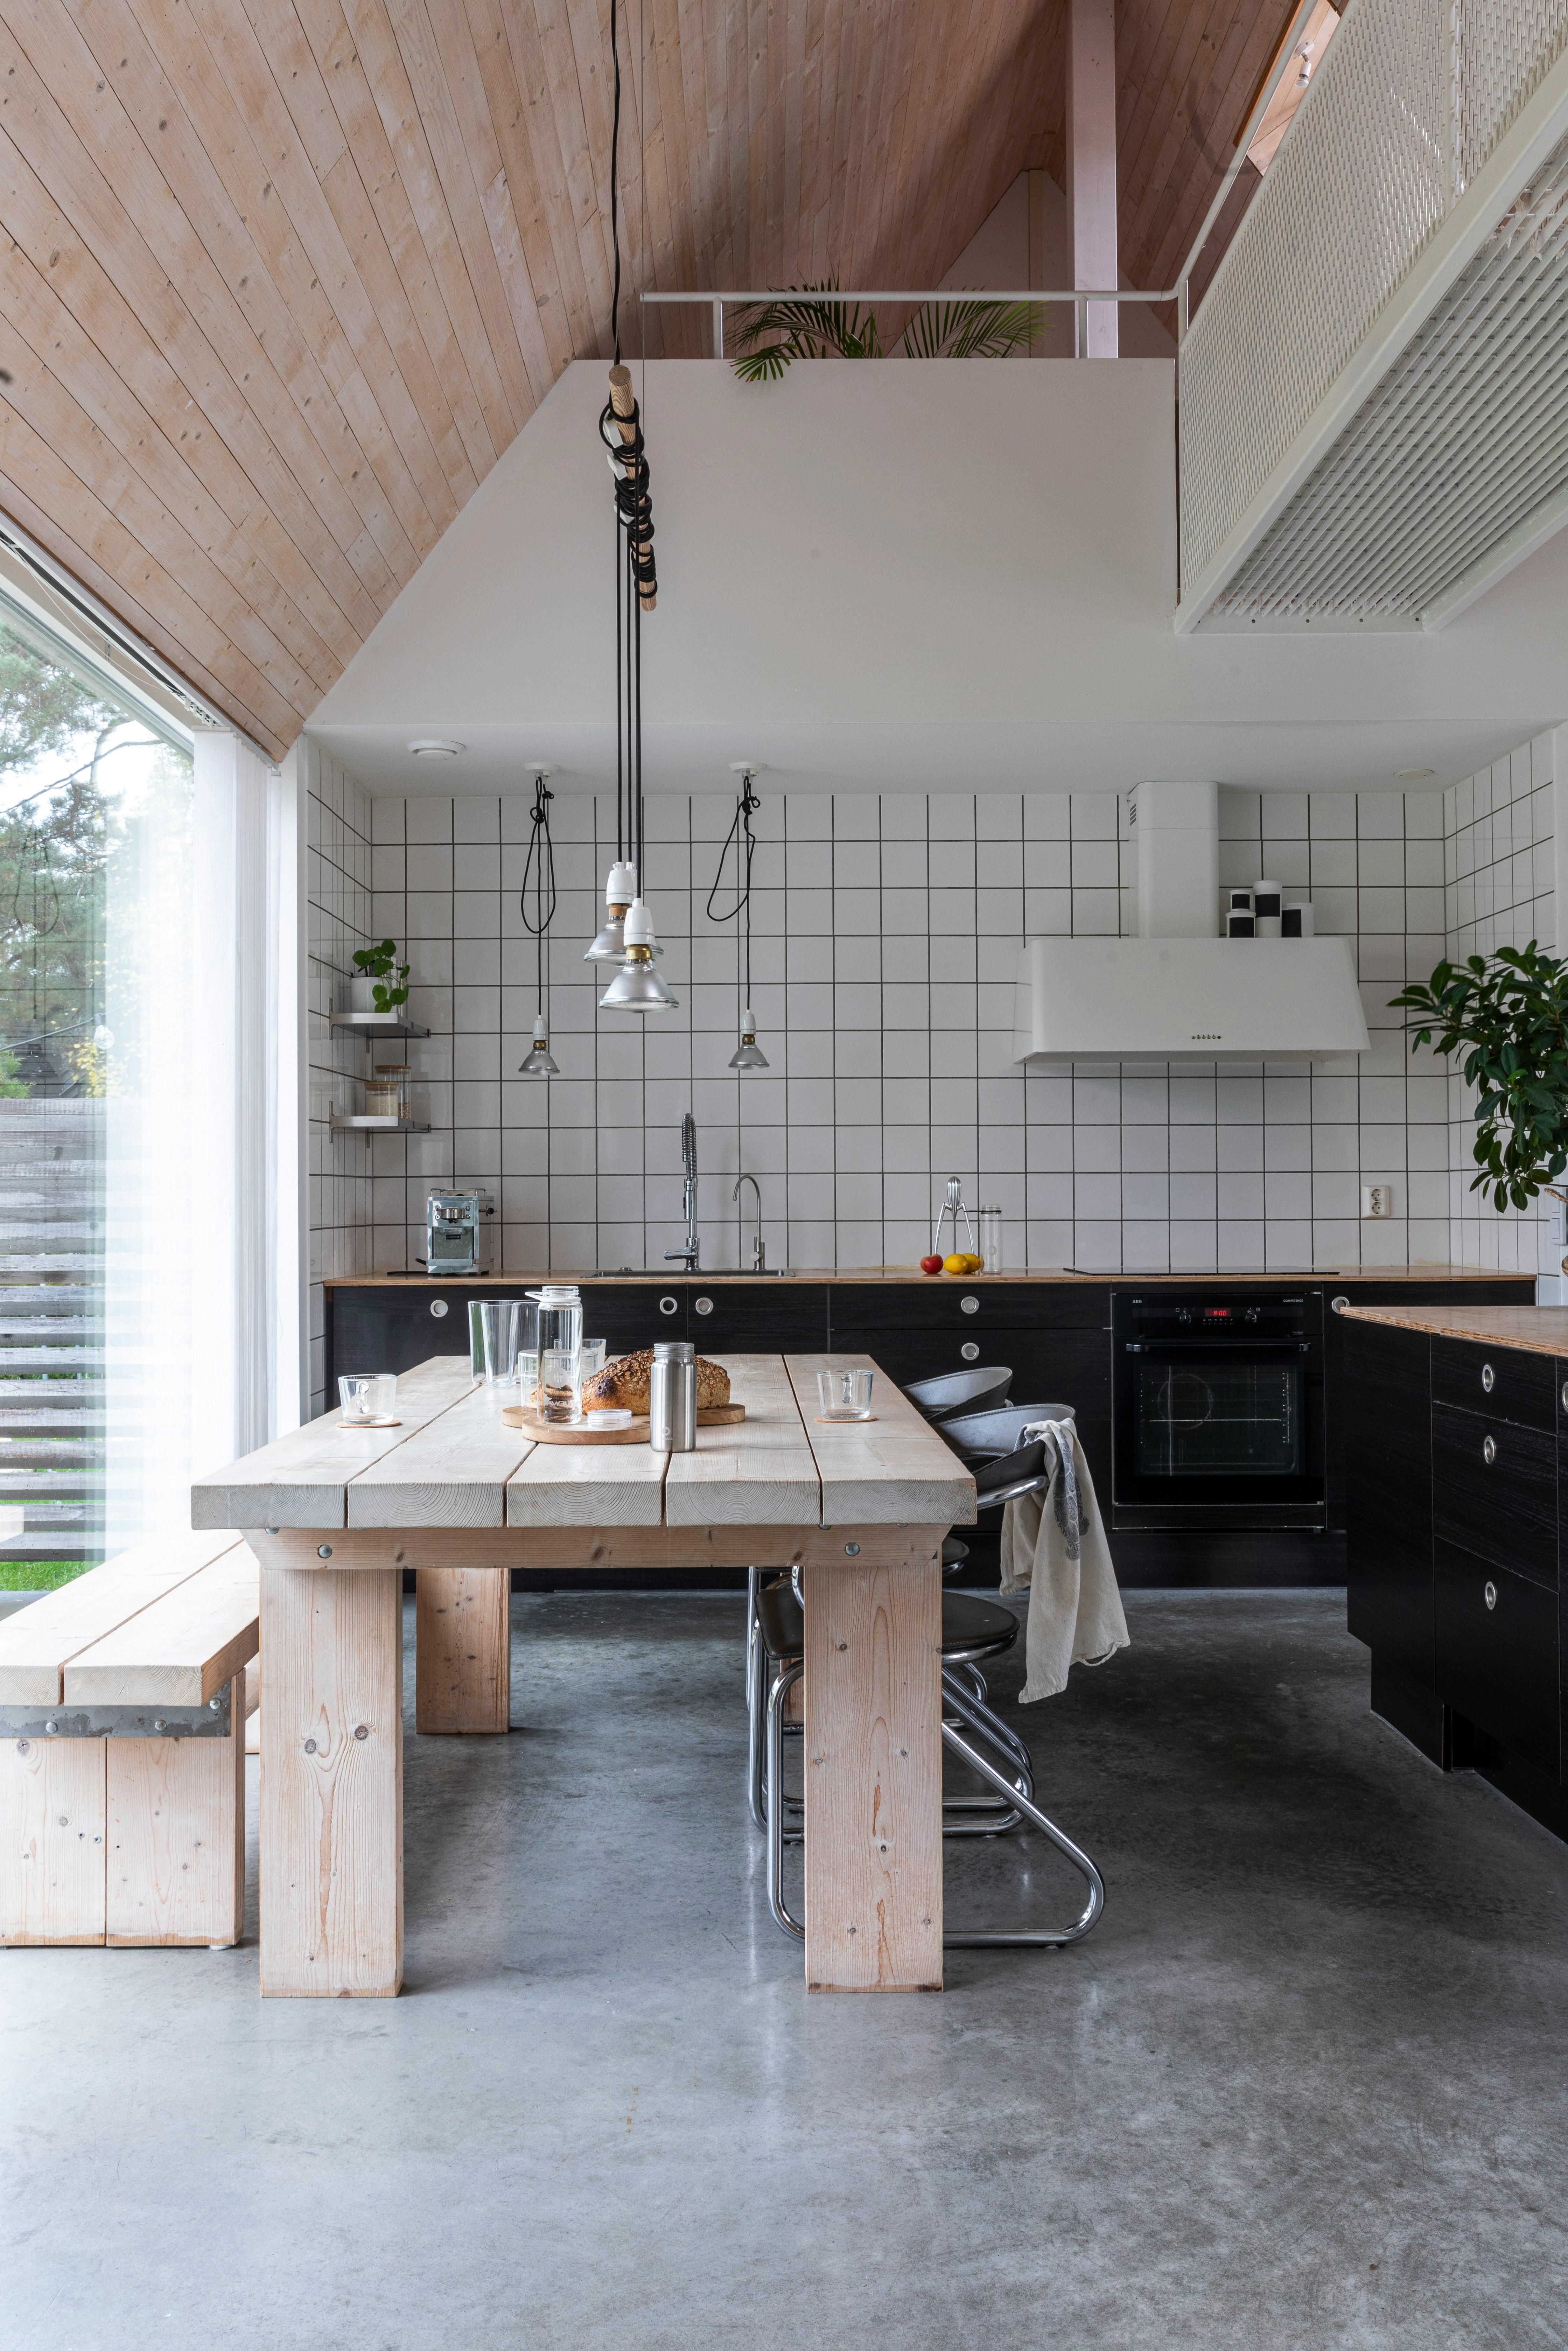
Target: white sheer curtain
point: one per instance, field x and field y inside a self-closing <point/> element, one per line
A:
<point x="238" y="1046"/>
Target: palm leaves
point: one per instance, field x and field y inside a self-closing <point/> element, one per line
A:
<point x="814" y="322"/>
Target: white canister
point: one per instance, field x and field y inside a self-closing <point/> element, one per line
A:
<point x="1266" y="910"/>
<point x="363" y="992"/>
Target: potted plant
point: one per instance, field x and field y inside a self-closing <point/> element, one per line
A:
<point x="1509" y="1014"/>
<point x="368" y="990"/>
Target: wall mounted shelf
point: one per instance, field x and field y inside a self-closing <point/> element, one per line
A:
<point x="378" y="1024"/>
<point x="364" y="1125"/>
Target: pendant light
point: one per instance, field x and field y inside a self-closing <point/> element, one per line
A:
<point x="539" y="874"/>
<point x="628" y="937"/>
<point x="748" y="1053"/>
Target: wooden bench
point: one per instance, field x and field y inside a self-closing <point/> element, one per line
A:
<point x="122" y="1709"/>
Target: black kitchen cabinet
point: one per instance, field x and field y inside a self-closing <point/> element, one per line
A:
<point x="1456" y="1482"/>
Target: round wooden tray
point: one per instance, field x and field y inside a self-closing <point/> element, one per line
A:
<point x="558" y="1432"/>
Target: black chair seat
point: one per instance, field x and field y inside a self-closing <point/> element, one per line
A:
<point x="967" y="1622"/>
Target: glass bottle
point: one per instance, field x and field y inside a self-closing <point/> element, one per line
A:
<point x="990" y="1220"/>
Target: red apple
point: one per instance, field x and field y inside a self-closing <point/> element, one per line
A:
<point x="930" y="1265"/>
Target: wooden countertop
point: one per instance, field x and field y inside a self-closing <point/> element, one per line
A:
<point x="1538" y="1330"/>
<point x="1049" y="1275"/>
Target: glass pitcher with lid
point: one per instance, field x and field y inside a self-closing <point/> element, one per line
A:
<point x="559" y="1351"/>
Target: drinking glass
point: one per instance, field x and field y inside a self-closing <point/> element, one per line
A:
<point x="844" y="1395"/>
<point x="368" y="1395"/>
<point x="559" y="1351"/>
<point x="594" y="1353"/>
<point x="498" y="1334"/>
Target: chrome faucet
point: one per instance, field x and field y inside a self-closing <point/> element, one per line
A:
<point x="758" y="1255"/>
<point x="692" y="1251"/>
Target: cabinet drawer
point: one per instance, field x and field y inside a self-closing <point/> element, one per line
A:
<point x="1504" y="1382"/>
<point x="1497" y="1654"/>
<point x="936" y="1302"/>
<point x="1504" y="1508"/>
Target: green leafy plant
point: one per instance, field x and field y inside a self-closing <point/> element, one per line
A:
<point x="812" y="322"/>
<point x="376" y="963"/>
<point x="1507" y="1013"/>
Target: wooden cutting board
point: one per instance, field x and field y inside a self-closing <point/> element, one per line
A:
<point x="558" y="1432"/>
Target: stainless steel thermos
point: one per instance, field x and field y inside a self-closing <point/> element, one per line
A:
<point x="672" y="1397"/>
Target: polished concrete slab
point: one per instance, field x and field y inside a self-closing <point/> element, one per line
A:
<point x="1303" y="2086"/>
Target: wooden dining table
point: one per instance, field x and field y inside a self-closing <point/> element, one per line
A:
<point x="462" y="1496"/>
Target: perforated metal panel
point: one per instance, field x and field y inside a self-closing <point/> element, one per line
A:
<point x="1410" y="100"/>
<point x="1463" y="439"/>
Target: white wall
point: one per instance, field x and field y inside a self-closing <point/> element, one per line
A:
<point x="1004" y="254"/>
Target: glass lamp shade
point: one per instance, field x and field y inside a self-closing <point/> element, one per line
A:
<point x="748" y="1055"/>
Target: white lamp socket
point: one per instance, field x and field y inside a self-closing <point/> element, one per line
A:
<point x="639" y="931"/>
<point x="622" y="887"/>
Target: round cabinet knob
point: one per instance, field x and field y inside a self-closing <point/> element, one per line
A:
<point x="969" y="1305"/>
<point x="1488" y="1378"/>
<point x="969" y="1351"/>
<point x="438" y="1307"/>
<point x="667" y="1305"/>
<point x="1490" y="1596"/>
<point x="704" y="1305"/>
<point x="1339" y="1304"/>
<point x="1489" y="1451"/>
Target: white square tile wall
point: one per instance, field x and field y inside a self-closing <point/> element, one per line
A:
<point x="1498" y="873"/>
<point x="885" y="931"/>
<point x="338" y="894"/>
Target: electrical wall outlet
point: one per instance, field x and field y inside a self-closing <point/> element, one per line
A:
<point x="1377" y="1200"/>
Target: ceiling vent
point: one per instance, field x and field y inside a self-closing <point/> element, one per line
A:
<point x="1375" y="394"/>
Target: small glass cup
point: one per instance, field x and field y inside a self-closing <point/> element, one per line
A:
<point x="499" y="1321"/>
<point x="368" y="1396"/>
<point x="594" y="1354"/>
<point x="845" y="1394"/>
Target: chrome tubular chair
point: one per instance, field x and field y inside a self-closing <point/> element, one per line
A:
<point x="973" y="1631"/>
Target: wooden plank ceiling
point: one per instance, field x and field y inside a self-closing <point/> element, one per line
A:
<point x="282" y="278"/>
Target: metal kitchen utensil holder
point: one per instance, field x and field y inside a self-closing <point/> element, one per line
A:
<point x="954" y="1207"/>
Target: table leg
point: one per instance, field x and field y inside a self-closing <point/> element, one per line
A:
<point x="874" y="1777"/>
<point x="52" y="1873"/>
<point x="176" y="1837"/>
<point x="463" y="1650"/>
<point x="331" y="1782"/>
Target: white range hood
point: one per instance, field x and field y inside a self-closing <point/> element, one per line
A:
<point x="1183" y="994"/>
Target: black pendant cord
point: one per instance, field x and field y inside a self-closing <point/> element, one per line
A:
<point x="637" y="720"/>
<point x="619" y="698"/>
<point x="745" y="844"/>
<point x="539" y="864"/>
<point x="614" y="181"/>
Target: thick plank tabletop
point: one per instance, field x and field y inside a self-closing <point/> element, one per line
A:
<point x="455" y="1462"/>
<point x="302" y="1480"/>
<point x="452" y="1472"/>
<point x="891" y="1470"/>
<point x="759" y="1472"/>
<point x="37" y="1642"/>
<point x="1537" y="1330"/>
<point x="181" y="1649"/>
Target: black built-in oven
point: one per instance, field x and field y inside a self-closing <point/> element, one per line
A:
<point x="1218" y="1402"/>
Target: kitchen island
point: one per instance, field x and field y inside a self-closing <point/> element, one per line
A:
<point x="1457" y="1453"/>
<point x="460" y="1496"/>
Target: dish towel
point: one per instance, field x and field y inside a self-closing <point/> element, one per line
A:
<point x="1054" y="1546"/>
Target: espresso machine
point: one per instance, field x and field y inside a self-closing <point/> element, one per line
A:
<point x="459" y="1232"/>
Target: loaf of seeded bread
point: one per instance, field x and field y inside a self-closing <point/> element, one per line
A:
<point x="624" y="1382"/>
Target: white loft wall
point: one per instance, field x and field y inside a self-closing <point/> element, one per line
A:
<point x="1003" y="253"/>
<point x="885" y="931"/>
<point x="337" y="899"/>
<point x="1500" y="873"/>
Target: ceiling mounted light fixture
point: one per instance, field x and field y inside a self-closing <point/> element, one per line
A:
<point x="434" y="747"/>
<point x="538" y="875"/>
<point x="748" y="1055"/>
<point x="1413" y="775"/>
<point x="628" y="934"/>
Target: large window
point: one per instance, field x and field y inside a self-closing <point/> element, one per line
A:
<point x="96" y="1108"/>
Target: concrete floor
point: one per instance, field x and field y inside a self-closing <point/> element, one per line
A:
<point x="1304" y="2085"/>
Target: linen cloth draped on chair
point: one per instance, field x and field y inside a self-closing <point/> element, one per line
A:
<point x="1054" y="1546"/>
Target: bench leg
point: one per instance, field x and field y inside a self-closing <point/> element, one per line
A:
<point x="52" y="1793"/>
<point x="463" y="1650"/>
<point x="874" y="1777"/>
<point x="176" y="1837"/>
<point x="331" y="1783"/>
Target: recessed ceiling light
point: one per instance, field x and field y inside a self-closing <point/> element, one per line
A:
<point x="435" y="746"/>
<point x="1412" y="775"/>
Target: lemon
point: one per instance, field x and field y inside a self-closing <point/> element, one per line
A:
<point x="955" y="1264"/>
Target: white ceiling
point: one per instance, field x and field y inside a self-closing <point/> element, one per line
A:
<point x="917" y="576"/>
